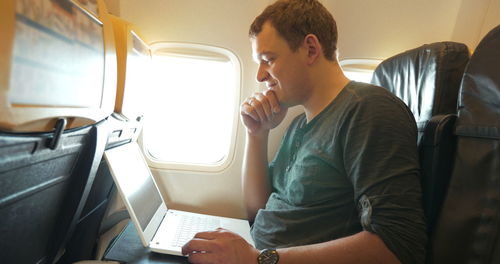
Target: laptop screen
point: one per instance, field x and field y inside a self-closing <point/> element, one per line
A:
<point x="133" y="177"/>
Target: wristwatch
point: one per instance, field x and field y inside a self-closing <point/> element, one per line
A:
<point x="268" y="256"/>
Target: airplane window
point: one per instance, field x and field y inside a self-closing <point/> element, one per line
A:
<point x="360" y="70"/>
<point x="365" y="77"/>
<point x="192" y="112"/>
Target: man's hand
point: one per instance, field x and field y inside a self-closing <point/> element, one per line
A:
<point x="262" y="112"/>
<point x="220" y="246"/>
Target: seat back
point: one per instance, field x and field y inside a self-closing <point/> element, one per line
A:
<point x="56" y="91"/>
<point x="468" y="227"/>
<point x="43" y="188"/>
<point x="426" y="78"/>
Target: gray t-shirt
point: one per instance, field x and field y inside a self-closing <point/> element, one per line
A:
<point x="353" y="167"/>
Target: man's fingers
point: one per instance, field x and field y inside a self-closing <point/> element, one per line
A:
<point x="248" y="110"/>
<point x="202" y="241"/>
<point x="273" y="101"/>
<point x="257" y="107"/>
<point x="264" y="105"/>
<point x="219" y="246"/>
<point x="197" y="245"/>
<point x="260" y="106"/>
<point x="262" y="111"/>
<point x="199" y="257"/>
<point x="208" y="235"/>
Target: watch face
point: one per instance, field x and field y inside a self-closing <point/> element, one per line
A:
<point x="268" y="256"/>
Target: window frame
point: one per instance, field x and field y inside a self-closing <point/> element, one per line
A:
<point x="194" y="50"/>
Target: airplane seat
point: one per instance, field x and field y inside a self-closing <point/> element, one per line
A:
<point x="44" y="185"/>
<point x="468" y="227"/>
<point x="56" y="80"/>
<point x="427" y="79"/>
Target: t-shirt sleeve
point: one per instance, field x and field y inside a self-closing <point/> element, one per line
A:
<point x="381" y="160"/>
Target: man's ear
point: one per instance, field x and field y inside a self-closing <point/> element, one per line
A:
<point x="313" y="48"/>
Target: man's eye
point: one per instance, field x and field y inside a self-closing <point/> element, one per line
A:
<point x="268" y="61"/>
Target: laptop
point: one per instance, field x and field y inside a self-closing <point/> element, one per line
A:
<point x="161" y="229"/>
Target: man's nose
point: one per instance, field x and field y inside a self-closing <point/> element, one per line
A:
<point x="262" y="74"/>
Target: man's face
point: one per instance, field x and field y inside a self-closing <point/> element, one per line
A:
<point x="282" y="70"/>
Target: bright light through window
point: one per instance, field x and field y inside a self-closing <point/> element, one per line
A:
<point x="360" y="70"/>
<point x="361" y="76"/>
<point x="192" y="109"/>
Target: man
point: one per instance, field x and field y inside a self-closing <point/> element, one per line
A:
<point x="344" y="185"/>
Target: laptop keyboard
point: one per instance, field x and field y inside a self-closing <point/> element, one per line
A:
<point x="189" y="225"/>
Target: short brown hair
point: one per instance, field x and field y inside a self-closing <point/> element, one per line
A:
<point x="294" y="19"/>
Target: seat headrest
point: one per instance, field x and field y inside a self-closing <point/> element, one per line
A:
<point x="479" y="100"/>
<point x="426" y="78"/>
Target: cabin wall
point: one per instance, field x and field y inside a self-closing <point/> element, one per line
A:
<point x="367" y="29"/>
<point x="380" y="29"/>
<point x="492" y="18"/>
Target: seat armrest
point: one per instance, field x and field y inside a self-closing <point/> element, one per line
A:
<point x="436" y="160"/>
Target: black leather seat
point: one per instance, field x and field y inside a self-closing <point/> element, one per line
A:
<point x="43" y="188"/>
<point x="437" y="150"/>
<point x="468" y="228"/>
<point x="427" y="79"/>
